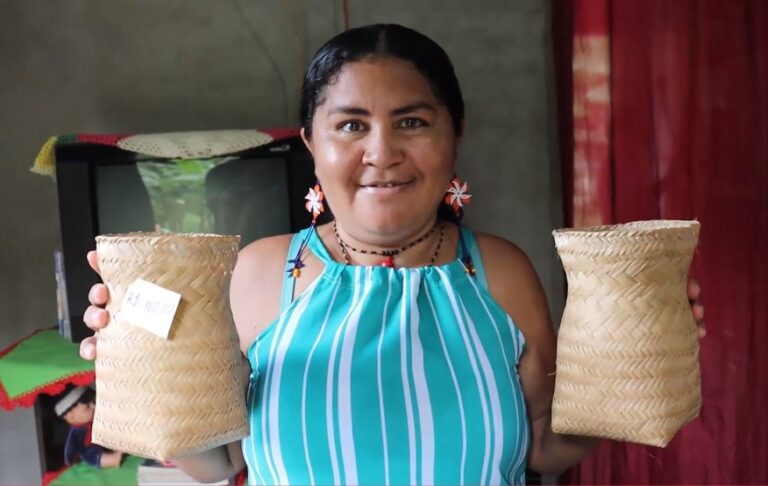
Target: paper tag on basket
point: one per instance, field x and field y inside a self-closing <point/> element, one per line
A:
<point x="150" y="307"/>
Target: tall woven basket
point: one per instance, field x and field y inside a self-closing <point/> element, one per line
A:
<point x="163" y="398"/>
<point x="627" y="351"/>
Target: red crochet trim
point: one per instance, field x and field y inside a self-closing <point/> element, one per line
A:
<point x="52" y="475"/>
<point x="281" y="133"/>
<point x="54" y="388"/>
<point x="101" y="139"/>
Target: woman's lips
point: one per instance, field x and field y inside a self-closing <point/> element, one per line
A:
<point x="385" y="188"/>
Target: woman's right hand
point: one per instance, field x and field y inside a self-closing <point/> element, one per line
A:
<point x="95" y="316"/>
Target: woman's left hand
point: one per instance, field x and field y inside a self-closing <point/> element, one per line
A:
<point x="694" y="293"/>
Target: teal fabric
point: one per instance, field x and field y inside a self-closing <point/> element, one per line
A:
<point x="375" y="375"/>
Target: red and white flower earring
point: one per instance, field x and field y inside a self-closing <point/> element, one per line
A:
<point x="457" y="195"/>
<point x="315" y="207"/>
<point x="314" y="204"/>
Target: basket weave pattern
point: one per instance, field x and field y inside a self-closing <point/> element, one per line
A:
<point x="163" y="398"/>
<point x="627" y="351"/>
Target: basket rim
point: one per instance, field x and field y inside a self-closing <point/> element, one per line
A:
<point x="140" y="235"/>
<point x="650" y="226"/>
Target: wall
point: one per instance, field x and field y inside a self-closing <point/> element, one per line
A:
<point x="162" y="65"/>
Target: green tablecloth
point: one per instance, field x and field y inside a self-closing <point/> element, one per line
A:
<point x="43" y="362"/>
<point x="82" y="474"/>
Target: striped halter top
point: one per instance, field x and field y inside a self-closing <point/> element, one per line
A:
<point x="382" y="376"/>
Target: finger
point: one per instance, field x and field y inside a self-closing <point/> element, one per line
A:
<point x="88" y="348"/>
<point x="95" y="317"/>
<point x="98" y="295"/>
<point x="694" y="289"/>
<point x="698" y="311"/>
<point x="93" y="261"/>
<point x="702" y="330"/>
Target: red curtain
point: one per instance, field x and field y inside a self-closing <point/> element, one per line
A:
<point x="664" y="114"/>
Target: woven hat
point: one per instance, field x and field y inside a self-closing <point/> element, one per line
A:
<point x="163" y="398"/>
<point x="627" y="351"/>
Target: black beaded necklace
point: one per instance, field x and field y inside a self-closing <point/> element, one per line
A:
<point x="389" y="255"/>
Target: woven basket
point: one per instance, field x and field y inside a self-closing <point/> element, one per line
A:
<point x="627" y="350"/>
<point x="163" y="398"/>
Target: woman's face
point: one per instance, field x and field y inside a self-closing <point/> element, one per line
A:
<point x="384" y="149"/>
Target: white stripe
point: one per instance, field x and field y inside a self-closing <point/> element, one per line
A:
<point x="496" y="329"/>
<point x="522" y="440"/>
<point x="523" y="437"/>
<point x="278" y="358"/>
<point x="426" y="424"/>
<point x="519" y="465"/>
<point x="346" y="436"/>
<point x="250" y="441"/>
<point x="473" y="364"/>
<point x="304" y="385"/>
<point x="522" y="449"/>
<point x="378" y="378"/>
<point x="330" y="412"/>
<point x="404" y="372"/>
<point x="514" y="384"/>
<point x="519" y="337"/>
<point x="265" y="430"/>
<point x="493" y="392"/>
<point x="455" y="388"/>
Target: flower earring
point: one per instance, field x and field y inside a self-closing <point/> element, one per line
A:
<point x="314" y="204"/>
<point x="315" y="207"/>
<point x="457" y="195"/>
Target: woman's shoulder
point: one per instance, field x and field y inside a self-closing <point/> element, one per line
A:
<point x="499" y="251"/>
<point x="256" y="284"/>
<point x="266" y="251"/>
<point x="513" y="282"/>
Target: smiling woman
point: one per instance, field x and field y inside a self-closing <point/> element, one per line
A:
<point x="381" y="364"/>
<point x="433" y="366"/>
<point x="384" y="151"/>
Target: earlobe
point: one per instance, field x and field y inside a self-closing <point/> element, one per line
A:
<point x="307" y="141"/>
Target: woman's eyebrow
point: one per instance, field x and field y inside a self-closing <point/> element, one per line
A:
<point x="419" y="105"/>
<point x="348" y="110"/>
<point x="410" y="108"/>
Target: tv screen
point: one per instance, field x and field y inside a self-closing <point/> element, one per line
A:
<point x="103" y="190"/>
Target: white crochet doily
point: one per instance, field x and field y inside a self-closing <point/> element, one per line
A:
<point x="194" y="145"/>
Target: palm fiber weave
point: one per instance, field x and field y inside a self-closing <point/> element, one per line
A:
<point x="163" y="398"/>
<point x="628" y="350"/>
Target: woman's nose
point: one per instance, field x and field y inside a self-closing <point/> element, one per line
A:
<point x="383" y="149"/>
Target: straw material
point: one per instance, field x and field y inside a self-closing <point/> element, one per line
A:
<point x="163" y="398"/>
<point x="627" y="351"/>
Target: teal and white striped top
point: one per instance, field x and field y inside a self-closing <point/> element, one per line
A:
<point x="388" y="376"/>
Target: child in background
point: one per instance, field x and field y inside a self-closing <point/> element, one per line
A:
<point x="76" y="407"/>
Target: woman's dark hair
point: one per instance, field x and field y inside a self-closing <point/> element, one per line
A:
<point x="383" y="40"/>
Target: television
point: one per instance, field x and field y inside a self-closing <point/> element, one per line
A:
<point x="106" y="189"/>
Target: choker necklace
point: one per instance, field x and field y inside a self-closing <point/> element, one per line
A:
<point x="389" y="255"/>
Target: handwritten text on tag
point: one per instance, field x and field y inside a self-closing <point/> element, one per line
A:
<point x="149" y="307"/>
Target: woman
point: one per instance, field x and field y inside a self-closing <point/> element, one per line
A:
<point x="390" y="345"/>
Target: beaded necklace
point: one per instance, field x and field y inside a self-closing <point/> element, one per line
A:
<point x="389" y="255"/>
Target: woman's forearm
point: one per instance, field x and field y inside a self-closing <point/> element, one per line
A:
<point x="555" y="453"/>
<point x="212" y="465"/>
